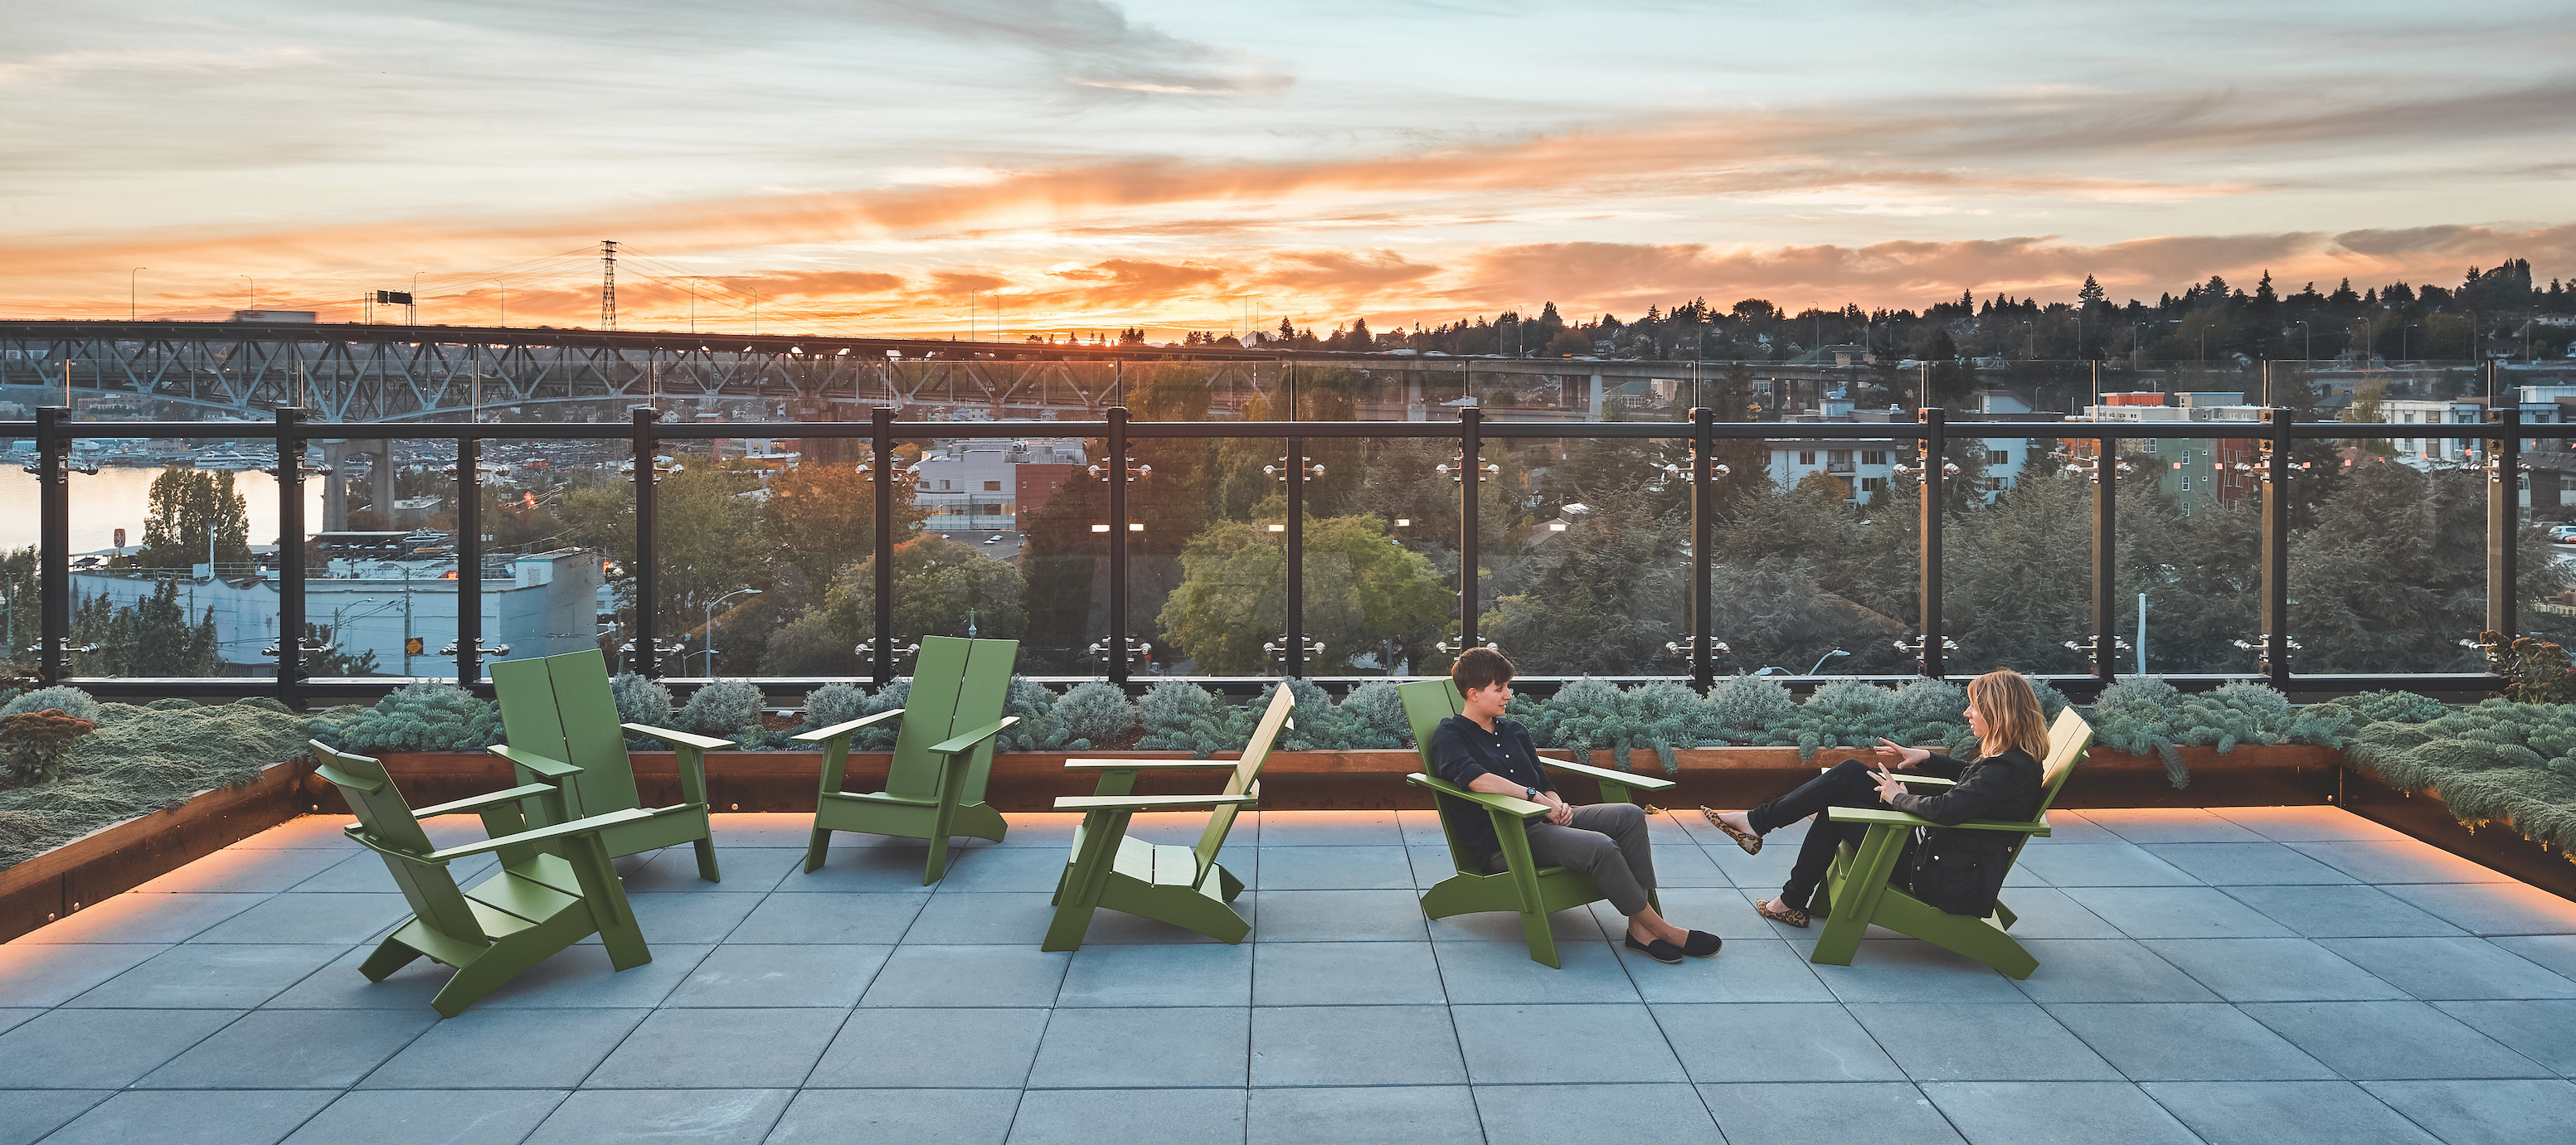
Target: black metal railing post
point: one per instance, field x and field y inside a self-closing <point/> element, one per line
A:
<point x="469" y="560"/>
<point x="648" y="644"/>
<point x="1928" y="658"/>
<point x="1116" y="468"/>
<point x="881" y="450"/>
<point x="1703" y="514"/>
<point x="1295" y="664"/>
<point x="2106" y="559"/>
<point x="290" y="554"/>
<point x="2504" y="524"/>
<point x="2276" y="548"/>
<point x="1471" y="446"/>
<point x="54" y="556"/>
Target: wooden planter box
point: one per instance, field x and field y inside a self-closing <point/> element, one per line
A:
<point x="1374" y="780"/>
<point x="122" y="856"/>
<point x="2423" y="815"/>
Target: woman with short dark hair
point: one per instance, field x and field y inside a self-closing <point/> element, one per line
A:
<point x="1962" y="870"/>
<point x="1481" y="750"/>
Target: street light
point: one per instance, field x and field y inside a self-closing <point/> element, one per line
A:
<point x="129" y="291"/>
<point x="1820" y="660"/>
<point x="711" y="624"/>
<point x="254" y="290"/>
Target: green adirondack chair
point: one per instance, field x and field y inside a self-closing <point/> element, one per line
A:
<point x="935" y="786"/>
<point x="1523" y="887"/>
<point x="1183" y="886"/>
<point x="536" y="905"/>
<point x="562" y="724"/>
<point x="1856" y="894"/>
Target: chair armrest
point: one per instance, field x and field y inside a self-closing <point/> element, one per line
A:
<point x="680" y="739"/>
<point x="1629" y="778"/>
<point x="1507" y="804"/>
<point x="479" y="802"/>
<point x="537" y="764"/>
<point x="1918" y="780"/>
<point x="1874" y="816"/>
<point x="1151" y="802"/>
<point x="1149" y="764"/>
<point x="968" y="741"/>
<point x="576" y="827"/>
<point x="818" y="735"/>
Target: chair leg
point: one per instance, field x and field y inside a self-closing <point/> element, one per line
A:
<point x="815" y="850"/>
<point x="1084" y="880"/>
<point x="937" y="867"/>
<point x="504" y="961"/>
<point x="1195" y="911"/>
<point x="1524" y="876"/>
<point x="1857" y="881"/>
<point x="707" y="861"/>
<point x="392" y="954"/>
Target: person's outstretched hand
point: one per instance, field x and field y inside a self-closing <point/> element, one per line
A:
<point x="1889" y="751"/>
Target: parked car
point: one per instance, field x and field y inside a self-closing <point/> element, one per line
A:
<point x="2562" y="534"/>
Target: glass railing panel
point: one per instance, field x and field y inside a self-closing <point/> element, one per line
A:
<point x="556" y="544"/>
<point x="2190" y="537"/>
<point x="380" y="556"/>
<point x="2388" y="555"/>
<point x="174" y="555"/>
<point x="961" y="528"/>
<point x="1814" y="564"/>
<point x="2017" y="556"/>
<point x="1207" y="547"/>
<point x="1587" y="558"/>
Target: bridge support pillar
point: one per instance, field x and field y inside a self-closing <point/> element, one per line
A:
<point x="1600" y="393"/>
<point x="335" y="488"/>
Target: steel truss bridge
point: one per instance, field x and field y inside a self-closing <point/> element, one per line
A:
<point x="346" y="372"/>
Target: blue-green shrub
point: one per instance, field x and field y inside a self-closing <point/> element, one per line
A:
<point x="422" y="717"/>
<point x="71" y="700"/>
<point x="727" y="709"/>
<point x="1096" y="712"/>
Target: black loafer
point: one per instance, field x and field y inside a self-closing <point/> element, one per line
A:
<point x="1659" y="950"/>
<point x="1701" y="944"/>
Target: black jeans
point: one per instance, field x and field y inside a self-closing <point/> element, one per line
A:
<point x="1846" y="784"/>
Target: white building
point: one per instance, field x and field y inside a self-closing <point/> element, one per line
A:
<point x="985" y="484"/>
<point x="1866" y="466"/>
<point x="546" y="604"/>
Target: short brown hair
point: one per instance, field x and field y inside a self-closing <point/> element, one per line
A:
<point x="2012" y="713"/>
<point x="1480" y="668"/>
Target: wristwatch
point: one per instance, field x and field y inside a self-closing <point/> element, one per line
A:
<point x="1530" y="793"/>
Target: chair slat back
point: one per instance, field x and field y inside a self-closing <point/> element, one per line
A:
<point x="1246" y="775"/>
<point x="560" y="707"/>
<point x="1426" y="703"/>
<point x="958" y="686"/>
<point x="387" y="819"/>
<point x="2067" y="740"/>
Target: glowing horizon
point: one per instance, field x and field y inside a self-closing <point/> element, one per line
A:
<point x="1083" y="166"/>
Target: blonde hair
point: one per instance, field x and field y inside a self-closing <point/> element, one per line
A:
<point x="2011" y="712"/>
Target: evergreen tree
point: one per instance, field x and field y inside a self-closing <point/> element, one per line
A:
<point x="188" y="505"/>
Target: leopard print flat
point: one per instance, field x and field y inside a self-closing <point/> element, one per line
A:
<point x="1778" y="911"/>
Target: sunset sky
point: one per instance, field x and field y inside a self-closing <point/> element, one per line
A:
<point x="864" y="166"/>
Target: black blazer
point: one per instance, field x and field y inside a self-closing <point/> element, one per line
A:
<point x="2004" y="787"/>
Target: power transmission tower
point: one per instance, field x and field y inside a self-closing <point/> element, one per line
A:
<point x="607" y="284"/>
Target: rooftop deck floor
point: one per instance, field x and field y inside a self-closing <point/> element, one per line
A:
<point x="2276" y="974"/>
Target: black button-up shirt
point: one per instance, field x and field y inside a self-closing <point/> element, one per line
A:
<point x="1461" y="751"/>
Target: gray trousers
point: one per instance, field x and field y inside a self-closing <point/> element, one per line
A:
<point x="1606" y="841"/>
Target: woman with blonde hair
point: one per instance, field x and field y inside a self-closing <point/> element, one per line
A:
<point x="1956" y="871"/>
